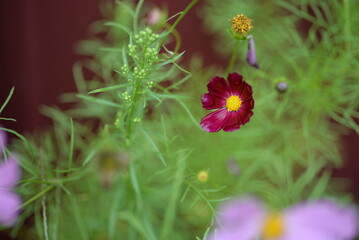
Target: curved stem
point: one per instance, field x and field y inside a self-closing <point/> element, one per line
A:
<point x="177" y="36"/>
<point x="233" y="57"/>
<point x="189" y="6"/>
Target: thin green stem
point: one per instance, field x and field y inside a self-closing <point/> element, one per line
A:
<point x="177" y="37"/>
<point x="189" y="6"/>
<point x="37" y="196"/>
<point x="233" y="57"/>
<point x="137" y="12"/>
<point x="174" y="199"/>
<point x="134" y="103"/>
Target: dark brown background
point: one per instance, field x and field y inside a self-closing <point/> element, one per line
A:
<point x="37" y="52"/>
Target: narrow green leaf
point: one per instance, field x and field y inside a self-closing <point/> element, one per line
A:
<point x="7" y="99"/>
<point x="8" y="119"/>
<point x="155" y="147"/>
<point x="107" y="89"/>
<point x="119" y="26"/>
<point x="136" y="224"/>
<point x="171" y="60"/>
<point x="135" y="185"/>
<point x="72" y="142"/>
<point x="99" y="101"/>
<point x="174" y="198"/>
<point x="136" y="17"/>
<point x="27" y="143"/>
<point x="79" y="219"/>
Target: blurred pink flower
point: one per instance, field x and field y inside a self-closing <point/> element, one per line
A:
<point x="154" y="16"/>
<point x="248" y="219"/>
<point x="9" y="176"/>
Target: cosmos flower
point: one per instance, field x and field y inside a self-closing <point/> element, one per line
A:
<point x="251" y="53"/>
<point x="248" y="219"/>
<point x="234" y="100"/>
<point x="9" y="176"/>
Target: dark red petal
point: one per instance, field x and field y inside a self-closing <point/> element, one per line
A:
<point x="232" y="122"/>
<point x="235" y="83"/>
<point x="219" y="87"/>
<point x="249" y="104"/>
<point x="244" y="115"/>
<point x="212" y="102"/>
<point x="246" y="92"/>
<point x="214" y="121"/>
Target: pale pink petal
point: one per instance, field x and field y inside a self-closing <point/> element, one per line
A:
<point x="239" y="219"/>
<point x="9" y="208"/>
<point x="307" y="234"/>
<point x="154" y="16"/>
<point x="326" y="219"/>
<point x="9" y="173"/>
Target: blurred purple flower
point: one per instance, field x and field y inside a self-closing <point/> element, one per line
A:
<point x="251" y="54"/>
<point x="9" y="176"/>
<point x="248" y="219"/>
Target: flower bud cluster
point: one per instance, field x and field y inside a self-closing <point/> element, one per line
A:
<point x="126" y="96"/>
<point x="151" y="55"/>
<point x="149" y="84"/>
<point x="125" y="70"/>
<point x="119" y="120"/>
<point x="136" y="119"/>
<point x="140" y="73"/>
<point x="146" y="37"/>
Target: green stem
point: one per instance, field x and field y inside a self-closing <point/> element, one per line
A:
<point x="177" y="36"/>
<point x="233" y="57"/>
<point x="174" y="199"/>
<point x="137" y="12"/>
<point x="134" y="103"/>
<point x="189" y="6"/>
<point x="37" y="196"/>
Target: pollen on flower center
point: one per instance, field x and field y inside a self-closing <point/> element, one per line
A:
<point x="241" y="24"/>
<point x="233" y="103"/>
<point x="273" y="227"/>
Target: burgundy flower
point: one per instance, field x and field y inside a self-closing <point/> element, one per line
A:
<point x="234" y="100"/>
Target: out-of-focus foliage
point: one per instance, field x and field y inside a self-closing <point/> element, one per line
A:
<point x="123" y="162"/>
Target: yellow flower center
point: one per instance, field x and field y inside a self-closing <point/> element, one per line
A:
<point x="233" y="103"/>
<point x="241" y="24"/>
<point x="273" y="227"/>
